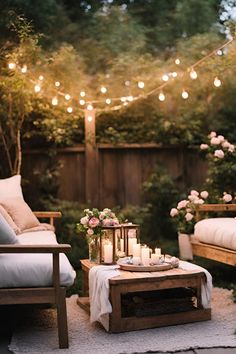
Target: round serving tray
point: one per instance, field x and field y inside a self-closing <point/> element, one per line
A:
<point x="150" y="268"/>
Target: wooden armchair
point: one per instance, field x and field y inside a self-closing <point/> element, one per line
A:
<point x="213" y="252"/>
<point x="55" y="294"/>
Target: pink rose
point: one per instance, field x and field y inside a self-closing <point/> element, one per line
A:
<point x="188" y="216"/>
<point x="231" y="148"/>
<point x="204" y="146"/>
<point x="221" y="138"/>
<point x="193" y="192"/>
<point x="215" y="141"/>
<point x="198" y="201"/>
<point x="204" y="194"/>
<point x="227" y="197"/>
<point x="93" y="222"/>
<point x="90" y="232"/>
<point x="219" y="153"/>
<point x="182" y="204"/>
<point x="84" y="220"/>
<point x="225" y="144"/>
<point x="212" y="134"/>
<point x="174" y="212"/>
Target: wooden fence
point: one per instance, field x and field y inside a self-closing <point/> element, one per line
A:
<point x="114" y="174"/>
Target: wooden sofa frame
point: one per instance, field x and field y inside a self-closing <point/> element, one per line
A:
<point x="213" y="252"/>
<point x="54" y="294"/>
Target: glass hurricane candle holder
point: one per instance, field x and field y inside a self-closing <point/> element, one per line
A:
<point x="110" y="244"/>
<point x="131" y="236"/>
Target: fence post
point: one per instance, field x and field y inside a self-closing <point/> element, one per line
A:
<point x="91" y="159"/>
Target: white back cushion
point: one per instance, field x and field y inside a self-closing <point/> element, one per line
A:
<point x="7" y="235"/>
<point x="10" y="187"/>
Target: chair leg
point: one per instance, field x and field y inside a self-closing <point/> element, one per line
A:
<point x="62" y="319"/>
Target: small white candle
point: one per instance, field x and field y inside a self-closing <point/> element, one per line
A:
<point x="154" y="258"/>
<point x="108" y="253"/>
<point x="145" y="256"/>
<point x="136" y="250"/>
<point x="131" y="241"/>
<point x="158" y="251"/>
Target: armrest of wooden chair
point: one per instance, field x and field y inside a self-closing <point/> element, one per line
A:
<point x="51" y="215"/>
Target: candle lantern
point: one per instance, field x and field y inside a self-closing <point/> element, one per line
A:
<point x="110" y="244"/>
<point x="131" y="236"/>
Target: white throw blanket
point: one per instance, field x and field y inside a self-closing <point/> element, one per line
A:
<point x="100" y="306"/>
<point x="206" y="288"/>
<point x="99" y="276"/>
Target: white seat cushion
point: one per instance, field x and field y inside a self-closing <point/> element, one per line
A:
<point x="33" y="270"/>
<point x="217" y="231"/>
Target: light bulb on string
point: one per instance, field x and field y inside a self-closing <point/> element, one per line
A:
<point x="24" y="69"/>
<point x="69" y="109"/>
<point x="82" y="93"/>
<point x="177" y="61"/>
<point x="41" y="77"/>
<point x="141" y="84"/>
<point x="82" y="102"/>
<point x="67" y="97"/>
<point x="174" y="74"/>
<point x="193" y="74"/>
<point x="90" y="107"/>
<point x="108" y="101"/>
<point x="55" y="101"/>
<point x="37" y="88"/>
<point x="57" y="83"/>
<point x="123" y="99"/>
<point x="161" y="97"/>
<point x="103" y="89"/>
<point x="217" y="82"/>
<point x="12" y="66"/>
<point x="185" y="94"/>
<point x="127" y="83"/>
<point x="130" y="98"/>
<point x="165" y="77"/>
<point x="90" y="118"/>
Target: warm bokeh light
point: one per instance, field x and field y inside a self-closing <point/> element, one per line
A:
<point x="217" y="82"/>
<point x="161" y="96"/>
<point x="24" y="69"/>
<point x="165" y="77"/>
<point x="69" y="109"/>
<point x="193" y="74"/>
<point x="90" y="118"/>
<point x="57" y="83"/>
<point x="130" y="98"/>
<point x="174" y="74"/>
<point x="103" y="89"/>
<point x="82" y="93"/>
<point x="82" y="102"/>
<point x="37" y="88"/>
<point x="41" y="77"/>
<point x="11" y="66"/>
<point x="67" y="97"/>
<point x="123" y="99"/>
<point x="185" y="94"/>
<point x="55" y="101"/>
<point x="177" y="61"/>
<point x="89" y="107"/>
<point x="108" y="101"/>
<point x="141" y="84"/>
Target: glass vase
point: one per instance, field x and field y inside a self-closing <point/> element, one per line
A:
<point x="94" y="249"/>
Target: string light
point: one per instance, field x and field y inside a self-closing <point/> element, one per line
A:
<point x="130" y="98"/>
<point x="82" y="93"/>
<point x="123" y="99"/>
<point x="127" y="83"/>
<point x="24" y="69"/>
<point x="41" y="77"/>
<point x="12" y="66"/>
<point x="174" y="74"/>
<point x="161" y="96"/>
<point x="57" y="83"/>
<point x="217" y="82"/>
<point x="165" y="77"/>
<point x="193" y="74"/>
<point x="89" y="107"/>
<point x="82" y="102"/>
<point x="141" y="84"/>
<point x="177" y="61"/>
<point x="69" y="109"/>
<point x="108" y="101"/>
<point x="185" y="94"/>
<point x="37" y="88"/>
<point x="67" y="97"/>
<point x="90" y="118"/>
<point x="55" y="101"/>
<point x="103" y="89"/>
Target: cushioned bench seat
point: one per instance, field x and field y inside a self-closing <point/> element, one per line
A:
<point x="217" y="231"/>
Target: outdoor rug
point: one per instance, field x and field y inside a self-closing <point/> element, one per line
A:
<point x="39" y="334"/>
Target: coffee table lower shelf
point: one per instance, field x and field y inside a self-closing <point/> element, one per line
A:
<point x="137" y="323"/>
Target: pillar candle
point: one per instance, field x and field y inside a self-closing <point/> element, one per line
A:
<point x="145" y="256"/>
<point x="154" y="258"/>
<point x="158" y="251"/>
<point x="108" y="253"/>
<point x="136" y="250"/>
<point x="131" y="241"/>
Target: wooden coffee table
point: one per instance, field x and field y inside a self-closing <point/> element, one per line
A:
<point x="151" y="299"/>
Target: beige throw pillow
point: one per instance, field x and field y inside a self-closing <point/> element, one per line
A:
<point x="9" y="220"/>
<point x="10" y="187"/>
<point x="20" y="212"/>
